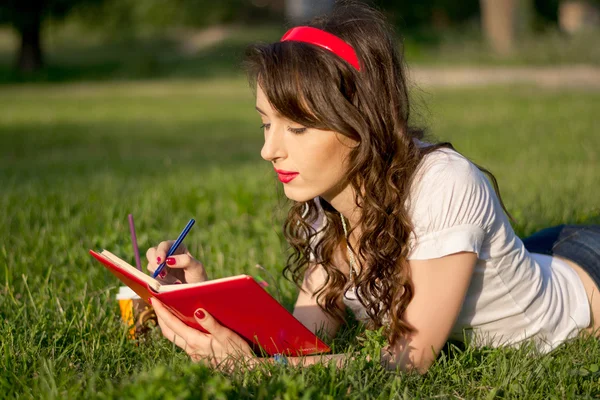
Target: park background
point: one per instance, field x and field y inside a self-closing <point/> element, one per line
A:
<point x="111" y="107"/>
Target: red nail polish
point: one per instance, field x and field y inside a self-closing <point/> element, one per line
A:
<point x="162" y="274"/>
<point x="158" y="260"/>
<point x="263" y="284"/>
<point x="150" y="300"/>
<point x="171" y="261"/>
<point x="200" y="314"/>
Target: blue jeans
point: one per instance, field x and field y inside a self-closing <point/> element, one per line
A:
<point x="577" y="243"/>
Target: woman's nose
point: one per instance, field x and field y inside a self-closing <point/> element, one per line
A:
<point x="273" y="148"/>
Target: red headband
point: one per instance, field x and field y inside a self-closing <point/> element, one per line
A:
<point x="325" y="40"/>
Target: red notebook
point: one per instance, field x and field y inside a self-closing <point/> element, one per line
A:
<point x="237" y="302"/>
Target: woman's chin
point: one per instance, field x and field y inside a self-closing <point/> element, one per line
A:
<point x="298" y="195"/>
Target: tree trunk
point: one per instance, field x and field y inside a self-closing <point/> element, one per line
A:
<point x="577" y="15"/>
<point x="502" y="21"/>
<point x="30" y="57"/>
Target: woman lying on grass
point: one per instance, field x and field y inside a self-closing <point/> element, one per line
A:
<point x="408" y="234"/>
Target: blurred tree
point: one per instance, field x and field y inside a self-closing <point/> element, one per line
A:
<point x="578" y="15"/>
<point x="298" y="11"/>
<point x="503" y="20"/>
<point x="27" y="17"/>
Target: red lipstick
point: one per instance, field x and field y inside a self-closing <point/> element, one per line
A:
<point x="286" y="176"/>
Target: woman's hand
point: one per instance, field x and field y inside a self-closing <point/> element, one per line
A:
<point x="215" y="347"/>
<point x="181" y="267"/>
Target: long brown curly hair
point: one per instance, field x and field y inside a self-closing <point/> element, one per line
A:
<point x="315" y="88"/>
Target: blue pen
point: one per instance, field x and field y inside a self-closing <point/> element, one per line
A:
<point x="173" y="248"/>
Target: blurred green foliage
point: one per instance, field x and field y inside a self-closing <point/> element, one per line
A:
<point x="412" y="14"/>
<point x="547" y="9"/>
<point x="132" y="16"/>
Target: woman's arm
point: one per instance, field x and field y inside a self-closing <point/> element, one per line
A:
<point x="307" y="309"/>
<point x="440" y="287"/>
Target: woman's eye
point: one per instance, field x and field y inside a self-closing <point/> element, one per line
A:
<point x="297" y="131"/>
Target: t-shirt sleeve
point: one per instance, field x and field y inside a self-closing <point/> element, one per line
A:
<point x="451" y="207"/>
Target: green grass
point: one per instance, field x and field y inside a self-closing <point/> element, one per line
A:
<point x="76" y="159"/>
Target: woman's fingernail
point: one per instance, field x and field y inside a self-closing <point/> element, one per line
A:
<point x="158" y="260"/>
<point x="149" y="300"/>
<point x="162" y="274"/>
<point x="200" y="314"/>
<point x="171" y="261"/>
<point x="177" y="283"/>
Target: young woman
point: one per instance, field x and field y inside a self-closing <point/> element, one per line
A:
<point x="409" y="235"/>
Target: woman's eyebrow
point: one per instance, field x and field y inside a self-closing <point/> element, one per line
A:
<point x="264" y="113"/>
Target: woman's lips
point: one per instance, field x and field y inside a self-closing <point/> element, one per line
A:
<point x="286" y="176"/>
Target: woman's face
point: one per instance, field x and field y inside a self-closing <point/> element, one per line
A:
<point x="309" y="162"/>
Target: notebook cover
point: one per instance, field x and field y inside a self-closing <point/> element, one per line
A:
<point x="238" y="303"/>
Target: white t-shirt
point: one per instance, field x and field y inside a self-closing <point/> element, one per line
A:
<point x="514" y="295"/>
